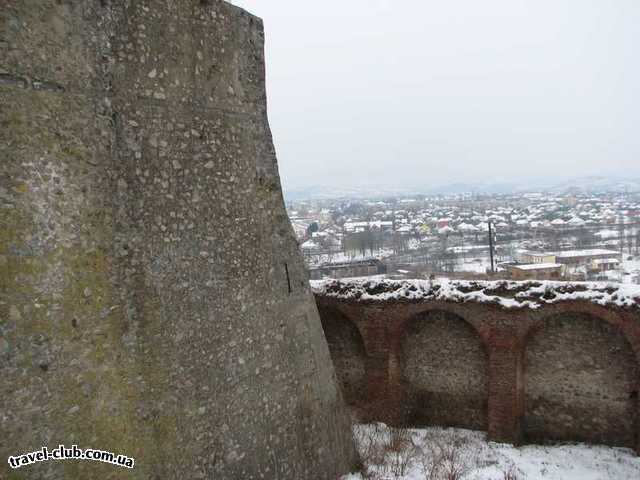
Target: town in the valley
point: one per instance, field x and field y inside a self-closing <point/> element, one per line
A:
<point x="569" y="236"/>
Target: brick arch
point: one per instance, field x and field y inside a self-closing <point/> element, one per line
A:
<point x="347" y="350"/>
<point x="628" y="326"/>
<point x="444" y="366"/>
<point x="581" y="378"/>
<point x="474" y="317"/>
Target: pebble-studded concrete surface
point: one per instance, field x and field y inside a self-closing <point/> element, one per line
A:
<point x="153" y="300"/>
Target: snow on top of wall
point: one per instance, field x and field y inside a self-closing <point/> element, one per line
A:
<point x="508" y="294"/>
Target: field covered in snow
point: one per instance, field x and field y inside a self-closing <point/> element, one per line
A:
<point x="457" y="454"/>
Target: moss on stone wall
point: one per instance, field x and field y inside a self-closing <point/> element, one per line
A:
<point x="141" y="251"/>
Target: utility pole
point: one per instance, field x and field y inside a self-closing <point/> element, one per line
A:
<point x="491" y="247"/>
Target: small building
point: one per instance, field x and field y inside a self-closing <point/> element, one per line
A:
<point x="604" y="264"/>
<point x="467" y="228"/>
<point x="535" y="271"/>
<point x="585" y="257"/>
<point x="383" y="226"/>
<point x="443" y="222"/>
<point x="378" y="225"/>
<point x="310" y="246"/>
<point x="537" y="257"/>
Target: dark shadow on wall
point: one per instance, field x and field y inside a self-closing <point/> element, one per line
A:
<point x="581" y="383"/>
<point x="445" y="372"/>
<point x="347" y="352"/>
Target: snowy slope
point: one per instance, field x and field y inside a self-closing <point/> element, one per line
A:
<point x="435" y="453"/>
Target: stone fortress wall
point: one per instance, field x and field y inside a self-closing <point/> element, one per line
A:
<point x="527" y="362"/>
<point x="153" y="301"/>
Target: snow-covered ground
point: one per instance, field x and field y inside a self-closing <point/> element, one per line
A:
<point x="476" y="265"/>
<point x="457" y="454"/>
<point x="631" y="270"/>
<point x="315" y="260"/>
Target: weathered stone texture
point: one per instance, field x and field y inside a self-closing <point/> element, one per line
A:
<point x="445" y="367"/>
<point x="348" y="354"/>
<point x="580" y="375"/>
<point x="153" y="301"/>
<point x="563" y="371"/>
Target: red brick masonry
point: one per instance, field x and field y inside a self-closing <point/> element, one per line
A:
<point x="527" y="361"/>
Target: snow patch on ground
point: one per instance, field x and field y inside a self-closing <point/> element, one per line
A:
<point x="334" y="258"/>
<point x="442" y="453"/>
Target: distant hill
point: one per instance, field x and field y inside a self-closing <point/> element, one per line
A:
<point x="587" y="184"/>
<point x="598" y="184"/>
<point x="320" y="192"/>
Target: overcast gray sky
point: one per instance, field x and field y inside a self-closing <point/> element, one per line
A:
<point x="428" y="92"/>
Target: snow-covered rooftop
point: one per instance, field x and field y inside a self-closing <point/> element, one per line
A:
<point x="537" y="254"/>
<point x="508" y="294"/>
<point x="604" y="261"/>
<point x="586" y="253"/>
<point x="537" y="266"/>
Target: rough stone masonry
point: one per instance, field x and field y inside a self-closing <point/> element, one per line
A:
<point x="525" y="361"/>
<point x="153" y="301"/>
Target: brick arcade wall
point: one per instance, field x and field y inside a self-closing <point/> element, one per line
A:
<point x="563" y="371"/>
<point x="579" y="382"/>
<point x="347" y="352"/>
<point x="444" y="365"/>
